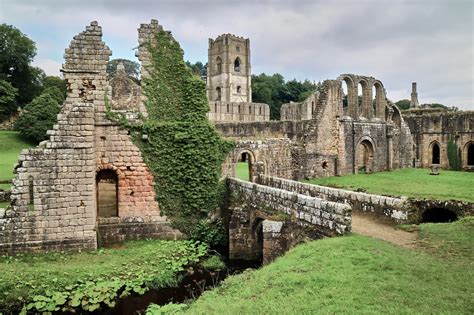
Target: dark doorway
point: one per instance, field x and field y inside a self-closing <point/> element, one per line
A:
<point x="107" y="188"/>
<point x="470" y="154"/>
<point x="257" y="231"/>
<point x="438" y="215"/>
<point x="435" y="154"/>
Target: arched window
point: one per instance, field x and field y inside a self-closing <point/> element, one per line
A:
<point x="219" y="65"/>
<point x="435" y="154"/>
<point x="107" y="193"/>
<point x="237" y="65"/>
<point x="470" y="155"/>
<point x="259" y="110"/>
<point x="239" y="89"/>
<point x="239" y="109"/>
<point x="218" y="90"/>
<point x="250" y="109"/>
<point x="227" y="107"/>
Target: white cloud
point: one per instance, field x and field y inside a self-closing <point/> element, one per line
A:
<point x="50" y="67"/>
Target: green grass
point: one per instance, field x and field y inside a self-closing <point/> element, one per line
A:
<point x="26" y="275"/>
<point x="356" y="275"/>
<point x="242" y="171"/>
<point x="416" y="183"/>
<point x="11" y="145"/>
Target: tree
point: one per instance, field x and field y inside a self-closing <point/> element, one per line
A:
<point x="16" y="53"/>
<point x="198" y="68"/>
<point x="132" y="68"/>
<point x="40" y="115"/>
<point x="52" y="81"/>
<point x="403" y="104"/>
<point x="7" y="99"/>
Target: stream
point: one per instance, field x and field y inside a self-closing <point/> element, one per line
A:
<point x="195" y="281"/>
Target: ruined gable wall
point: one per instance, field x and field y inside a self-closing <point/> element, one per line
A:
<point x="53" y="201"/>
<point x="299" y="110"/>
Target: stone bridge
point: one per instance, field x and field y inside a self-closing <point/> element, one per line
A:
<point x="265" y="221"/>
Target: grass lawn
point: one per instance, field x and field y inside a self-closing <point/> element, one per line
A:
<point x="11" y="145"/>
<point x="242" y="171"/>
<point x="356" y="274"/>
<point x="408" y="182"/>
<point x="137" y="264"/>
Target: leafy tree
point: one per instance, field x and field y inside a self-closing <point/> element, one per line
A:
<point x="40" y="115"/>
<point x="16" y="53"/>
<point x="198" y="68"/>
<point x="274" y="91"/>
<point x="403" y="104"/>
<point x="52" y="81"/>
<point x="7" y="99"/>
<point x="132" y="68"/>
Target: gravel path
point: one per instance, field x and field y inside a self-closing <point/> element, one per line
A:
<point x="366" y="225"/>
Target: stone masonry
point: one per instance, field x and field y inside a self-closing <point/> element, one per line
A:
<point x="54" y="200"/>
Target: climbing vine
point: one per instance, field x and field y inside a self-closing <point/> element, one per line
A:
<point x="454" y="157"/>
<point x="182" y="149"/>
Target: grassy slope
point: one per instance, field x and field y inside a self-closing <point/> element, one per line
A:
<point x="409" y="182"/>
<point x="23" y="276"/>
<point x="354" y="274"/>
<point x="242" y="171"/>
<point x="10" y="147"/>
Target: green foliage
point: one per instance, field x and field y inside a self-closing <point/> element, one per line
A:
<point x="132" y="68"/>
<point x="182" y="149"/>
<point x="199" y="69"/>
<point x="454" y="157"/>
<point x="7" y="99"/>
<point x="16" y="53"/>
<point x="273" y="91"/>
<point x="349" y="275"/>
<point x="40" y="115"/>
<point x="212" y="233"/>
<point x="416" y="183"/>
<point x="170" y="308"/>
<point x="403" y="104"/>
<point x="11" y="144"/>
<point x="88" y="281"/>
<point x="52" y="81"/>
<point x="213" y="262"/>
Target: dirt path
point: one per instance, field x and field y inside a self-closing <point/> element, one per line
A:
<point x="365" y="225"/>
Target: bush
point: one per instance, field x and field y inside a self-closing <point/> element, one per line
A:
<point x="7" y="99"/>
<point x="40" y="115"/>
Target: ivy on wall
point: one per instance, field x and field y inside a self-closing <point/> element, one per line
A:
<point x="182" y="149"/>
<point x="454" y="157"/>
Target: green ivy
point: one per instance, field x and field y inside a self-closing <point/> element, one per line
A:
<point x="182" y="149"/>
<point x="453" y="155"/>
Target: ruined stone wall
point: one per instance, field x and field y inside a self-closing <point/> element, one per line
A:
<point x="396" y="209"/>
<point x="299" y="110"/>
<point x="438" y="127"/>
<point x="269" y="156"/>
<point x="250" y="204"/>
<point x="238" y="112"/>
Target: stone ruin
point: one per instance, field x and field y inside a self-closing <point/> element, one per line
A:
<point x="88" y="183"/>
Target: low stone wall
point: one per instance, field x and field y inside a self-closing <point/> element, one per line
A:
<point x="266" y="221"/>
<point x="116" y="230"/>
<point x="5" y="195"/>
<point x="397" y="209"/>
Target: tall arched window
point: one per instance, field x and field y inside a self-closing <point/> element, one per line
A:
<point x="219" y="95"/>
<point x="237" y="65"/>
<point x="435" y="157"/>
<point x="239" y="89"/>
<point x="219" y="65"/>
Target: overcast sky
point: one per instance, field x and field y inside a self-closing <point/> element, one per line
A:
<point x="398" y="42"/>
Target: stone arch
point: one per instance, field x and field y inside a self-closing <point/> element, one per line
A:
<point x="351" y="101"/>
<point x="469" y="154"/>
<point x="108" y="171"/>
<point x="218" y="65"/>
<point x="365" y="106"/>
<point x="380" y="102"/>
<point x="237" y="64"/>
<point x="397" y="116"/>
<point x="253" y="166"/>
<point x="365" y="151"/>
<point x="435" y="152"/>
<point x="438" y="215"/>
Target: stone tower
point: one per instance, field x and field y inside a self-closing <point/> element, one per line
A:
<point x="414" y="96"/>
<point x="228" y="70"/>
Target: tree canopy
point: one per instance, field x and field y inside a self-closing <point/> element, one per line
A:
<point x="132" y="68"/>
<point x="7" y="99"/>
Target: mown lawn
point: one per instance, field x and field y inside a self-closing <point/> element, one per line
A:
<point x="102" y="273"/>
<point x="357" y="275"/>
<point x="11" y="145"/>
<point x="410" y="182"/>
<point x="242" y="171"/>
